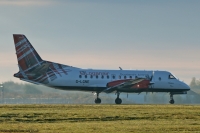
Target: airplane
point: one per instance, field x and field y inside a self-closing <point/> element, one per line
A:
<point x="33" y="69"/>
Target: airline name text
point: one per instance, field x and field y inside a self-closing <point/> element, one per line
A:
<point x="93" y="73"/>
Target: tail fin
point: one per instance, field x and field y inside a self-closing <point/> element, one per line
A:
<point x="27" y="56"/>
<point x="31" y="66"/>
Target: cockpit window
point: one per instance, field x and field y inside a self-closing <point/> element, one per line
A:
<point x="171" y="76"/>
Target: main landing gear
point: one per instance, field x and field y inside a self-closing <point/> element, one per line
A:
<point x="97" y="100"/>
<point x="118" y="100"/>
<point x="171" y="99"/>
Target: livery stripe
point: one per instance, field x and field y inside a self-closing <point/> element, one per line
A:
<point x="25" y="54"/>
<point x="20" y="42"/>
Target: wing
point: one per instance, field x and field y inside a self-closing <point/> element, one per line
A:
<point x="123" y="84"/>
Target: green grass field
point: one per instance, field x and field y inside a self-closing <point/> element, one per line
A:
<point x="99" y="118"/>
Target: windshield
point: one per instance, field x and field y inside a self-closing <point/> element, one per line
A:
<point x="172" y="76"/>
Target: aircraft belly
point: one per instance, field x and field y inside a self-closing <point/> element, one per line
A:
<point x="151" y="90"/>
<point x="80" y="88"/>
<point x="130" y="89"/>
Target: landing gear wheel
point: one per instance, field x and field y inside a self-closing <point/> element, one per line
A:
<point x="118" y="100"/>
<point x="97" y="100"/>
<point x="171" y="101"/>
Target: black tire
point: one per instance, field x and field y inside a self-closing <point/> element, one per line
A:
<point x="97" y="100"/>
<point x="171" y="101"/>
<point x="118" y="100"/>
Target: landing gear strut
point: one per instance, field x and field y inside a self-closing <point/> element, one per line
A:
<point x="171" y="99"/>
<point x="97" y="100"/>
<point x="118" y="100"/>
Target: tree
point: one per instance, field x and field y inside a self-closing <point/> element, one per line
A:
<point x="30" y="89"/>
<point x="193" y="83"/>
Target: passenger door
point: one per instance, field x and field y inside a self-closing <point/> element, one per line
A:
<point x="160" y="79"/>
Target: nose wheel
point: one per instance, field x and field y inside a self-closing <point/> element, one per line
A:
<point x="118" y="100"/>
<point x="97" y="100"/>
<point x="171" y="99"/>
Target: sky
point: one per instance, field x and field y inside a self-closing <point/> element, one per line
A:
<point x="105" y="34"/>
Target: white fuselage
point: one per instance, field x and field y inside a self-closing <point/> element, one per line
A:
<point x="97" y="80"/>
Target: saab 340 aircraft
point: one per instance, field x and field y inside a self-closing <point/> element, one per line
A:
<point x="33" y="69"/>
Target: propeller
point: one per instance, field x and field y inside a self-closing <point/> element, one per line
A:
<point x="152" y="79"/>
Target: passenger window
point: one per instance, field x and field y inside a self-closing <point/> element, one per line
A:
<point x="102" y="76"/>
<point x="130" y="77"/>
<point x="124" y="77"/>
<point x="119" y="77"/>
<point x="91" y="76"/>
<point x="113" y="76"/>
<point x="80" y="76"/>
<point x="135" y="76"/>
<point x="159" y="78"/>
<point x="97" y="76"/>
<point x="107" y="77"/>
<point x="85" y="76"/>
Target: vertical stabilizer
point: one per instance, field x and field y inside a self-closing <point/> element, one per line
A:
<point x="31" y="66"/>
<point x="27" y="56"/>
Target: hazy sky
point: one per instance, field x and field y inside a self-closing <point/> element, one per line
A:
<point x="105" y="34"/>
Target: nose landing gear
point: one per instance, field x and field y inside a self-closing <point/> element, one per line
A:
<point x="97" y="100"/>
<point x="171" y="99"/>
<point x="118" y="100"/>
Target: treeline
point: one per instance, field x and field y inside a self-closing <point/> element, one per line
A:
<point x="27" y="91"/>
<point x="195" y="84"/>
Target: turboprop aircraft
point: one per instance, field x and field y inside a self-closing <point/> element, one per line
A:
<point x="33" y="69"/>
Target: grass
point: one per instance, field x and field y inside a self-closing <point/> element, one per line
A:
<point x="99" y="118"/>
